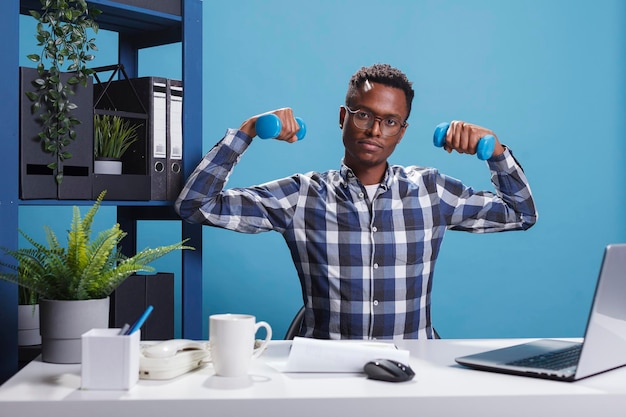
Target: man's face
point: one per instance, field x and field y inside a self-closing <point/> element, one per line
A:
<point x="369" y="148"/>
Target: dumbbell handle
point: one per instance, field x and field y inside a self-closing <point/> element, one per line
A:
<point x="484" y="148"/>
<point x="268" y="126"/>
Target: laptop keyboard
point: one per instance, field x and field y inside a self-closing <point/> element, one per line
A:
<point x="554" y="360"/>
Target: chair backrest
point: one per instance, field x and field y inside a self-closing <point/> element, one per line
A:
<point x="296" y="323"/>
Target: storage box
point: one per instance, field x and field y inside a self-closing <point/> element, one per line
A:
<point x="110" y="361"/>
<point x="135" y="294"/>
<point x="122" y="187"/>
<point x="154" y="105"/>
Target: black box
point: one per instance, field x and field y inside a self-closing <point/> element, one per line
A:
<point x="135" y="294"/>
<point x="122" y="187"/>
<point x="37" y="181"/>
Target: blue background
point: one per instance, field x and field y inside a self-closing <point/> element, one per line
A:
<point x="546" y="75"/>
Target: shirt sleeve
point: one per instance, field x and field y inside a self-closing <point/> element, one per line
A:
<point x="511" y="207"/>
<point x="261" y="208"/>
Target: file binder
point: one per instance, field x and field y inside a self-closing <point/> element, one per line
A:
<point x="175" y="140"/>
<point x="146" y="96"/>
<point x="157" y="160"/>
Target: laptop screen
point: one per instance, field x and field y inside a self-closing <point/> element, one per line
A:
<point x="605" y="337"/>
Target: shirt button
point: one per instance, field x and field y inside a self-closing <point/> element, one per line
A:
<point x="374" y="229"/>
<point x="360" y="195"/>
<point x="375" y="266"/>
<point x="375" y="302"/>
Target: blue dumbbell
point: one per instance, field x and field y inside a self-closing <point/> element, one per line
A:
<point x="268" y="127"/>
<point x="484" y="149"/>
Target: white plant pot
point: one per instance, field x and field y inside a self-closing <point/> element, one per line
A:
<point x="107" y="166"/>
<point x="28" y="325"/>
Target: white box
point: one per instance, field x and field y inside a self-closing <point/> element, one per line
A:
<point x="109" y="361"/>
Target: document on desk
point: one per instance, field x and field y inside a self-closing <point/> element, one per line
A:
<point x="316" y="355"/>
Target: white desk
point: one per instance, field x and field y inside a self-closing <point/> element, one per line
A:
<point x="440" y="388"/>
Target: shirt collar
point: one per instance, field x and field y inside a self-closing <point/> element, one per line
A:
<point x="347" y="175"/>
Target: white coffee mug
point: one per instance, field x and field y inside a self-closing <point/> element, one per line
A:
<point x="231" y="337"/>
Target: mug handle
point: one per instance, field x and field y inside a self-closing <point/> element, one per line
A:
<point x="257" y="352"/>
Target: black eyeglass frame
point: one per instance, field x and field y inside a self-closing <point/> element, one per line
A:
<point x="370" y="123"/>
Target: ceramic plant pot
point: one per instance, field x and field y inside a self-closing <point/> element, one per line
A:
<point x="64" y="321"/>
<point x="107" y="166"/>
<point x="28" y="325"/>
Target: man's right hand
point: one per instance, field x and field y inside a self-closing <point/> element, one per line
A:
<point x="288" y="129"/>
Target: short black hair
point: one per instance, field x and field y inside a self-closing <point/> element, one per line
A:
<point x="384" y="74"/>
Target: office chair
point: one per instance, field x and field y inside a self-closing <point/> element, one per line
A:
<point x="296" y="323"/>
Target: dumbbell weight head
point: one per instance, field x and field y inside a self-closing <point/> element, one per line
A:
<point x="268" y="126"/>
<point x="484" y="148"/>
<point x="439" y="137"/>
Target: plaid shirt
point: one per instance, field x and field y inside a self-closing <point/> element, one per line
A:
<point x="366" y="267"/>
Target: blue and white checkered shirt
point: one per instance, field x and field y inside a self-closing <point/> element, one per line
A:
<point x="366" y="267"/>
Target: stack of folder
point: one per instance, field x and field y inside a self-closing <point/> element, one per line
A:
<point x="156" y="104"/>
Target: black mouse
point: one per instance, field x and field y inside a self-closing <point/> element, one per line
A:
<point x="388" y="370"/>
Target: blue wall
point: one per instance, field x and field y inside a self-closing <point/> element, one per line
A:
<point x="546" y="75"/>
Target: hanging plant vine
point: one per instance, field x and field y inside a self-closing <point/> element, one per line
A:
<point x="62" y="32"/>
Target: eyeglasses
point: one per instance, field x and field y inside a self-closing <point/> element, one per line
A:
<point x="363" y="119"/>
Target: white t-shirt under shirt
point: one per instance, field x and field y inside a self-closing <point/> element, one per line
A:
<point x="371" y="190"/>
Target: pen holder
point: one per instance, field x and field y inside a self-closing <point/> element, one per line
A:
<point x="109" y="361"/>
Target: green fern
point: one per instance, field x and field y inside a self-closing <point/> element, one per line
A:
<point x="86" y="269"/>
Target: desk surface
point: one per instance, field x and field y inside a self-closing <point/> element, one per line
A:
<point x="440" y="388"/>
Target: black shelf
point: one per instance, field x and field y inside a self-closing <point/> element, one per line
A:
<point x="125" y="18"/>
<point x="148" y="203"/>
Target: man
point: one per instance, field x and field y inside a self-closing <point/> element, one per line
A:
<point x="364" y="239"/>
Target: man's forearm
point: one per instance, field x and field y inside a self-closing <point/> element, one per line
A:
<point x="209" y="178"/>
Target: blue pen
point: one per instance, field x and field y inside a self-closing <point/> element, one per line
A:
<point x="140" y="321"/>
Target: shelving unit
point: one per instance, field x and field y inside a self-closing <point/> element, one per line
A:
<point x="139" y="25"/>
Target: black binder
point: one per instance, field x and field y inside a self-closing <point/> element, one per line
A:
<point x="175" y="139"/>
<point x="157" y="158"/>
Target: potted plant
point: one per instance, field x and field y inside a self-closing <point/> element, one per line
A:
<point x="27" y="317"/>
<point x="62" y="32"/>
<point x="113" y="135"/>
<point x="75" y="281"/>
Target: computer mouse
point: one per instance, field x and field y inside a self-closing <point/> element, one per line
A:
<point x="388" y="370"/>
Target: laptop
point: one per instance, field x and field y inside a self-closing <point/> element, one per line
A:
<point x="603" y="347"/>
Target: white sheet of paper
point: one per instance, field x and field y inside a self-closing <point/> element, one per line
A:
<point x="315" y="355"/>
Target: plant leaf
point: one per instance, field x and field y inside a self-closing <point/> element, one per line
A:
<point x="86" y="269"/>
